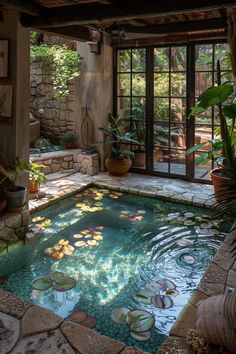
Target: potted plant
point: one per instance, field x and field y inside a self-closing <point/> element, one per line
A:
<point x="225" y="208"/>
<point x="139" y="129"/>
<point x="119" y="162"/>
<point x="36" y="177"/>
<point x="69" y="141"/>
<point x="222" y="150"/>
<point x="15" y="195"/>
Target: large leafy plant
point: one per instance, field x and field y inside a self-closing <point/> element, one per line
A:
<point x="12" y="172"/>
<point x="222" y="149"/>
<point x="117" y="136"/>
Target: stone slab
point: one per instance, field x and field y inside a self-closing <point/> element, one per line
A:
<point x="185" y="320"/>
<point x="14" y="306"/>
<point x="132" y="350"/>
<point x="174" y="345"/>
<point x="87" y="341"/>
<point x="52" y="342"/>
<point x="38" y="320"/>
<point x="9" y="332"/>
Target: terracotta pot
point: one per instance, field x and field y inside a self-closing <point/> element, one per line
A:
<point x="219" y="181"/>
<point x="139" y="159"/>
<point x="118" y="167"/>
<point x="33" y="187"/>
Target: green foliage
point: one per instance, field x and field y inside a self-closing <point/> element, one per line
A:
<point x="117" y="136"/>
<point x="66" y="66"/>
<point x="225" y="208"/>
<point x="13" y="172"/>
<point x="35" y="174"/>
<point x="222" y="150"/>
<point x="68" y="139"/>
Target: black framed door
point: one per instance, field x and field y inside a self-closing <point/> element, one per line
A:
<point x="154" y="88"/>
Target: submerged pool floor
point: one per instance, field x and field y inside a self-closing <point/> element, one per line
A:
<point x="136" y="261"/>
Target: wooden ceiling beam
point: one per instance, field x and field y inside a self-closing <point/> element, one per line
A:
<point x="124" y="10"/>
<point x="179" y="27"/>
<point x="78" y="33"/>
<point x="22" y="6"/>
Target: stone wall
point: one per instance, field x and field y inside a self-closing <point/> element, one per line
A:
<point x="57" y="117"/>
<point x="70" y="159"/>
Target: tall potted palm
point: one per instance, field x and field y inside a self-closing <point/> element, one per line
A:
<point x="119" y="161"/>
<point x="222" y="149"/>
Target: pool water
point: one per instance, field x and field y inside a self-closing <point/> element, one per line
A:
<point x="131" y="253"/>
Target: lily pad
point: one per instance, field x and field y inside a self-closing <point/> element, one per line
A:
<point x="90" y="322"/>
<point x="64" y="284"/>
<point x="79" y="244"/>
<point x="157" y="301"/>
<point x="165" y="284"/>
<point x="141" y="336"/>
<point x="140" y="320"/>
<point x="78" y="236"/>
<point x="168" y="302"/>
<point x="119" y="314"/>
<point x="99" y="227"/>
<point x="42" y="283"/>
<point x="153" y="287"/>
<point x="98" y="238"/>
<point x="188" y="259"/>
<point x="56" y="276"/>
<point x="184" y="242"/>
<point x="144" y="296"/>
<point x="92" y="243"/>
<point x="189" y="215"/>
<point x="78" y="316"/>
<point x="172" y="293"/>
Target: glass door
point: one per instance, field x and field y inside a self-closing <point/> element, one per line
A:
<point x="169" y="123"/>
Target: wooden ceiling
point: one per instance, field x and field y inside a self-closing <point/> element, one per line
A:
<point x="137" y="18"/>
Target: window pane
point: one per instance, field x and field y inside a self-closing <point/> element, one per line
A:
<point x="178" y="84"/>
<point x="177" y="162"/>
<point x="222" y="53"/>
<point x="204" y="56"/>
<point x="203" y="133"/>
<point x="177" y="136"/>
<point x="178" y="109"/>
<point x="161" y="109"/>
<point x="205" y="117"/>
<point x="160" y="159"/>
<point x="124" y="60"/>
<point x="139" y="60"/>
<point x="139" y="84"/>
<point x="202" y="82"/>
<point x="161" y="59"/>
<point x="161" y="84"/>
<point x="178" y="58"/>
<point x="123" y="106"/>
<point x="124" y="85"/>
<point x="139" y="130"/>
<point x="139" y="108"/>
<point x="161" y="134"/>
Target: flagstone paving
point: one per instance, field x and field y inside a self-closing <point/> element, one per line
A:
<point x="59" y="187"/>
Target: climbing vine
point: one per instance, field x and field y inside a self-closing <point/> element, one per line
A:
<point x="66" y="65"/>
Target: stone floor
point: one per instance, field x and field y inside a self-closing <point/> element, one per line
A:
<point x="61" y="185"/>
<point x="25" y="328"/>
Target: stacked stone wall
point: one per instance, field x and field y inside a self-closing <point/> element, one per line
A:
<point x="57" y="117"/>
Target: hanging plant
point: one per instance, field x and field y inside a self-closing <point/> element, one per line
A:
<point x="65" y="63"/>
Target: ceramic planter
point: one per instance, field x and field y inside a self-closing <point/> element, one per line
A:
<point x="15" y="199"/>
<point x="219" y="181"/>
<point x="118" y="167"/>
<point x="33" y="187"/>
